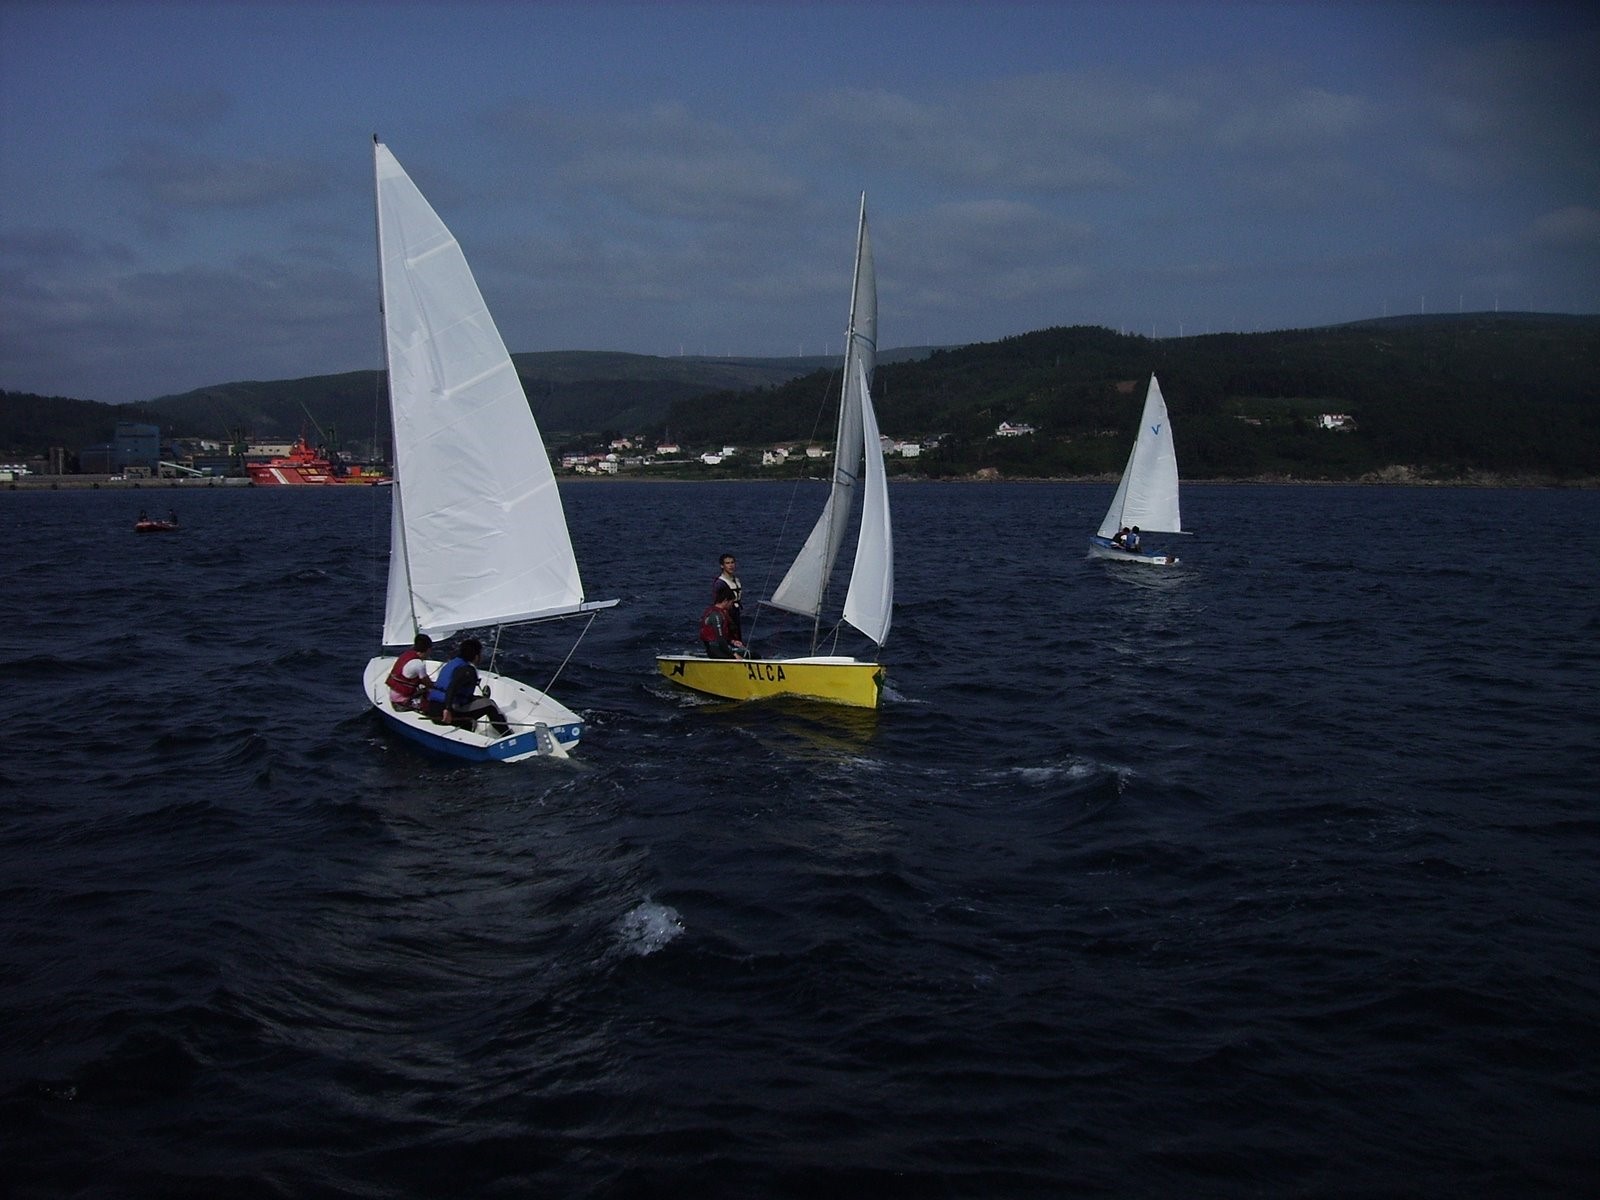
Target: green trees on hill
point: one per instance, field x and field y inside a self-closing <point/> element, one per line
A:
<point x="1511" y="394"/>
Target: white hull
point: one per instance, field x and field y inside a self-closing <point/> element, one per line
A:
<point x="1100" y="547"/>
<point x="539" y="724"/>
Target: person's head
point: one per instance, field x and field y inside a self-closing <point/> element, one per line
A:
<point x="1136" y="529"/>
<point x="728" y="563"/>
<point x="469" y="649"/>
<point x="724" y="599"/>
<point x="422" y="643"/>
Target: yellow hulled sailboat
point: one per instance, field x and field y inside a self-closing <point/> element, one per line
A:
<point x="857" y="466"/>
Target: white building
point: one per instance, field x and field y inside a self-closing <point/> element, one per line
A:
<point x="1008" y="429"/>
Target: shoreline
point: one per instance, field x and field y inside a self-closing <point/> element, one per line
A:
<point x="1390" y="477"/>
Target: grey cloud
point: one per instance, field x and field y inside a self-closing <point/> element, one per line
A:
<point x="190" y="111"/>
<point x="1574" y="227"/>
<point x="120" y="331"/>
<point x="168" y="177"/>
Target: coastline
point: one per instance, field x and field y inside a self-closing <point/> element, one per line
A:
<point x="1389" y="477"/>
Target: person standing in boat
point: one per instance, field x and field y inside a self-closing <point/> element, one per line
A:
<point x="454" y="698"/>
<point x="728" y="582"/>
<point x="716" y="629"/>
<point x="408" y="678"/>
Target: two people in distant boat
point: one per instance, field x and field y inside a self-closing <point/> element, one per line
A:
<point x="1126" y="539"/>
<point x="454" y="700"/>
<point x="408" y="678"/>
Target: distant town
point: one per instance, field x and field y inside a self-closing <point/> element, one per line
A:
<point x="138" y="453"/>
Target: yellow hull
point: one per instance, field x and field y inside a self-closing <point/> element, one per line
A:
<point x="836" y="680"/>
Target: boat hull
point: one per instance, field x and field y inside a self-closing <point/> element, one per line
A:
<point x="291" y="475"/>
<point x="540" y="725"/>
<point x="832" y="680"/>
<point x="1100" y="547"/>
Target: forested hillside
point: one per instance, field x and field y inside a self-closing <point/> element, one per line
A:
<point x="1445" y="396"/>
<point x="1501" y="393"/>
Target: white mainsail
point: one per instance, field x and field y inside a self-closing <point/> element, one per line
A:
<point x="870" y="600"/>
<point x="1147" y="496"/>
<point x="479" y="535"/>
<point x="803" y="588"/>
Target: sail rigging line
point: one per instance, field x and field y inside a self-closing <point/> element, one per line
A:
<point x="571" y="651"/>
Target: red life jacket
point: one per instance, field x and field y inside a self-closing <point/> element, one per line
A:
<point x="710" y="629"/>
<point x="398" y="682"/>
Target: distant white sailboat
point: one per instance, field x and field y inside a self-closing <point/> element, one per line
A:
<point x="1147" y="497"/>
<point x="870" y="600"/>
<point x="478" y="535"/>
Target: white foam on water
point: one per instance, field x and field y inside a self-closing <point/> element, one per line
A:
<point x="649" y="927"/>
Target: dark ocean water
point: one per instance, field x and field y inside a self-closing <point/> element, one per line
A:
<point x="1275" y="874"/>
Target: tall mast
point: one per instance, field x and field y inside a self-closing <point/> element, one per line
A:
<point x="397" y="524"/>
<point x="850" y="355"/>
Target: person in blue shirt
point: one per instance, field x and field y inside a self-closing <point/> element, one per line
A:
<point x="454" y="698"/>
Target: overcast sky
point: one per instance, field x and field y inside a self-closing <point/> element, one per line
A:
<point x="186" y="189"/>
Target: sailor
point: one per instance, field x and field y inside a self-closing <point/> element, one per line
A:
<point x="1132" y="543"/>
<point x="454" y="698"/>
<point x="408" y="678"/>
<point x="728" y="582"/>
<point x="716" y="629"/>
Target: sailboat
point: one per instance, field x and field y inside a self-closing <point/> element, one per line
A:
<point x="803" y="590"/>
<point x="478" y="535"/>
<point x="1147" y="497"/>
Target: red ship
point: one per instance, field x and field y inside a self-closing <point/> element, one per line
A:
<point x="305" y="465"/>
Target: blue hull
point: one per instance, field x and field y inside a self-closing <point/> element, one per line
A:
<point x="521" y="745"/>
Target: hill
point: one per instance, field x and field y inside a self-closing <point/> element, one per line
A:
<point x="1447" y="396"/>
<point x="1514" y="394"/>
<point x="573" y="393"/>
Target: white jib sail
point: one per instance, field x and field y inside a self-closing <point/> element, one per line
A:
<point x="483" y="536"/>
<point x="870" y="600"/>
<point x="1148" y="494"/>
<point x="803" y="588"/>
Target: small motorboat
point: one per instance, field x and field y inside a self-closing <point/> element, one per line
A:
<point x="146" y="525"/>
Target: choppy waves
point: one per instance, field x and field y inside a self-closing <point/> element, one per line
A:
<point x="1271" y="874"/>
